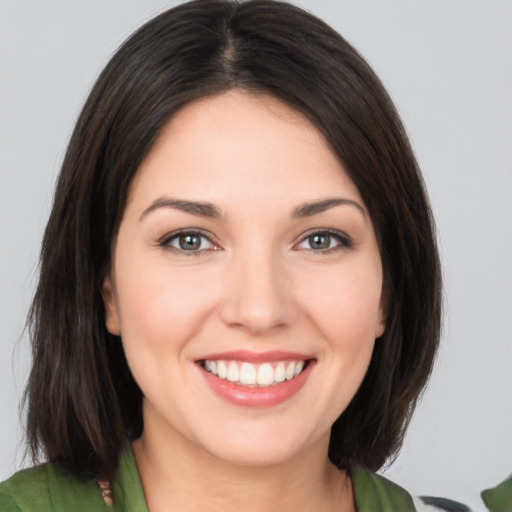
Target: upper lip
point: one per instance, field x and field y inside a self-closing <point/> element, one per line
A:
<point x="256" y="357"/>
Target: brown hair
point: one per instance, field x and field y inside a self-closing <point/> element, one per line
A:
<point x="83" y="404"/>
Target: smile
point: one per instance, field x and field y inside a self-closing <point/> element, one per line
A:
<point x="259" y="380"/>
<point x="248" y="374"/>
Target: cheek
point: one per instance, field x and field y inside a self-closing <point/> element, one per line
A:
<point x="159" y="305"/>
<point x="161" y="309"/>
<point x="347" y="306"/>
<point x="345" y="311"/>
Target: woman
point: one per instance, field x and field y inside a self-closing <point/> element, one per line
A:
<point x="239" y="297"/>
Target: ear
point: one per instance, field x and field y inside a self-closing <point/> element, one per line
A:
<point x="380" y="326"/>
<point x="111" y="310"/>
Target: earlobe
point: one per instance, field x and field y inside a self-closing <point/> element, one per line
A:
<point x="111" y="312"/>
<point x="380" y="326"/>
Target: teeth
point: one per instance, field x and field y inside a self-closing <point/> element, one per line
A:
<point x="290" y="371"/>
<point x="247" y="374"/>
<point x="265" y="375"/>
<point x="233" y="374"/>
<point x="280" y="373"/>
<point x="222" y="370"/>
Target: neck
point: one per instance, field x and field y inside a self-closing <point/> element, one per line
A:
<point x="181" y="474"/>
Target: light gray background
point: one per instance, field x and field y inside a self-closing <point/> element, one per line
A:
<point x="448" y="66"/>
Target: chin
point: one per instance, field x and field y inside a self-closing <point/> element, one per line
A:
<point x="255" y="456"/>
<point x="261" y="446"/>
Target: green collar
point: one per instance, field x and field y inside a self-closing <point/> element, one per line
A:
<point x="128" y="493"/>
<point x="373" y="493"/>
<point x="499" y="498"/>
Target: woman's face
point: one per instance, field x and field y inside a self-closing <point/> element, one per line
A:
<point x="246" y="282"/>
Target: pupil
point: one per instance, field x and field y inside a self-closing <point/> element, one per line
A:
<point x="319" y="241"/>
<point x="190" y="242"/>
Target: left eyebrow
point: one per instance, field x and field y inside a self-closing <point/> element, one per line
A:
<point x="200" y="209"/>
<point x="309" y="209"/>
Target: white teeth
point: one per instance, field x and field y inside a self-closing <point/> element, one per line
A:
<point x="247" y="374"/>
<point x="280" y="373"/>
<point x="265" y="375"/>
<point x="222" y="370"/>
<point x="290" y="371"/>
<point x="233" y="374"/>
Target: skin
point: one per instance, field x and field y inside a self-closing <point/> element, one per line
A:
<point x="258" y="284"/>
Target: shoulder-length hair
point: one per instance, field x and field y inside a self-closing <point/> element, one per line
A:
<point x="83" y="403"/>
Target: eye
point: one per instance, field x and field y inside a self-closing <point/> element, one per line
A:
<point x="192" y="242"/>
<point x="324" y="241"/>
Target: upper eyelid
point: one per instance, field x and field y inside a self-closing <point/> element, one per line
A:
<point x="327" y="231"/>
<point x="165" y="239"/>
<point x="344" y="240"/>
<point x="166" y="242"/>
<point x="180" y="232"/>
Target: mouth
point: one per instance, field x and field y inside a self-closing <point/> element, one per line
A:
<point x="246" y="374"/>
<point x="256" y="380"/>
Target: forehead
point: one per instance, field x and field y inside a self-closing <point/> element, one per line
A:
<point x="241" y="145"/>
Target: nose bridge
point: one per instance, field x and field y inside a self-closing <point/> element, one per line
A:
<point x="258" y="296"/>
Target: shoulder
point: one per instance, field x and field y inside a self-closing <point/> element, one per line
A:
<point x="48" y="488"/>
<point x="499" y="498"/>
<point x="375" y="493"/>
<point x="435" y="504"/>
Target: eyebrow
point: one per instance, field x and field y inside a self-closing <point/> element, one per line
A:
<point x="204" y="209"/>
<point x="200" y="209"/>
<point x="309" y="209"/>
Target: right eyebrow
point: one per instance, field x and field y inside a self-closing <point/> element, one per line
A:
<point x="193" y="207"/>
<point x="315" y="207"/>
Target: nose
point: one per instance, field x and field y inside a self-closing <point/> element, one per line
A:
<point x="258" y="295"/>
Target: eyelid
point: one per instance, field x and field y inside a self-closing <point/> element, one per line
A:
<point x="165" y="240"/>
<point x="345" y="241"/>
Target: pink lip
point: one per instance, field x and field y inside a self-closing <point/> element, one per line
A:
<point x="256" y="357"/>
<point x="254" y="396"/>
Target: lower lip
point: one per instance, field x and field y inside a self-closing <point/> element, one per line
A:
<point x="255" y="396"/>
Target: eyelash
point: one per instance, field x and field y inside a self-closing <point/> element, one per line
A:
<point x="165" y="242"/>
<point x="343" y="241"/>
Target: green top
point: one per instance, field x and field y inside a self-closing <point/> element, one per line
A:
<point x="48" y="488"/>
<point x="499" y="498"/>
